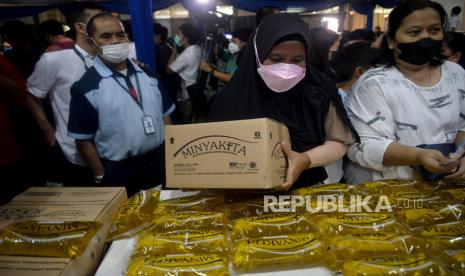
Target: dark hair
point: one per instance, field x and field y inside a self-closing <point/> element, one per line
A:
<point x="91" y="28"/>
<point x="456" y="42"/>
<point x="159" y="29"/>
<point x="243" y="34"/>
<point x="396" y="18"/>
<point x="190" y="32"/>
<point x="350" y="56"/>
<point x="456" y="10"/>
<point x="263" y="13"/>
<point x="321" y="39"/>
<point x="52" y="27"/>
<point x="362" y="34"/>
<point x="77" y="12"/>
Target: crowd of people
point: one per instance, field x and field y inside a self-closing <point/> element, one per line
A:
<point x="77" y="108"/>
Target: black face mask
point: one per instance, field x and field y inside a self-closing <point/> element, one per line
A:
<point x="419" y="52"/>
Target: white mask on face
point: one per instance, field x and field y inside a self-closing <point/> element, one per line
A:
<point x="233" y="48"/>
<point x="115" y="53"/>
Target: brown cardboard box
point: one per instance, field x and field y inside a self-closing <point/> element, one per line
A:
<point x="61" y="204"/>
<point x="243" y="154"/>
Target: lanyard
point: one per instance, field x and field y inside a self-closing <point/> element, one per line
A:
<point x="81" y="57"/>
<point x="136" y="95"/>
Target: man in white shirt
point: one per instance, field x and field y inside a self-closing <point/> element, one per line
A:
<point x="186" y="65"/>
<point x="454" y="21"/>
<point x="53" y="76"/>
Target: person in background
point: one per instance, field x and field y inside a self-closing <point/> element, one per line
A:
<point x="118" y="112"/>
<point x="163" y="51"/>
<point x="12" y="95"/>
<point x="362" y="34"/>
<point x="378" y="31"/>
<point x="412" y="98"/>
<point x="264" y="13"/>
<point x="453" y="48"/>
<point x="454" y="21"/>
<point x="276" y="80"/>
<point x="53" y="76"/>
<point x="235" y="47"/>
<point x="351" y="61"/>
<point x="55" y="36"/>
<point x="325" y="43"/>
<point x="186" y="65"/>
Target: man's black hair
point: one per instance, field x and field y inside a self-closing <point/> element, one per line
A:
<point x="189" y="31"/>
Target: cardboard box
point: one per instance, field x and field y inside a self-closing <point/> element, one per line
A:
<point x="243" y="154"/>
<point x="62" y="204"/>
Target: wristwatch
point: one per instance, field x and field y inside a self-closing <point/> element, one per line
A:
<point x="98" y="179"/>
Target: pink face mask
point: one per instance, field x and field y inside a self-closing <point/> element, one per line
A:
<point x="279" y="77"/>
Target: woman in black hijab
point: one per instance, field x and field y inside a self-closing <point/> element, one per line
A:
<point x="275" y="80"/>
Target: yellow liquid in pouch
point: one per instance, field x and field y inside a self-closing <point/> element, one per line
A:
<point x="208" y="220"/>
<point x="392" y="186"/>
<point x="415" y="200"/>
<point x="208" y="202"/>
<point x="135" y="214"/>
<point x="356" y="223"/>
<point x="273" y="224"/>
<point x="454" y="260"/>
<point x="375" y="244"/>
<point x="182" y="242"/>
<point x="274" y="253"/>
<point x="47" y="239"/>
<point x="179" y="265"/>
<point x="394" y="265"/>
<point x="426" y="217"/>
<point x="444" y="236"/>
<point x="327" y="189"/>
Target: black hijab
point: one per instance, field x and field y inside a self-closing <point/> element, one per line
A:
<point x="302" y="109"/>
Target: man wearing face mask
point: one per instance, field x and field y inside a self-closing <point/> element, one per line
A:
<point x="118" y="112"/>
<point x="409" y="110"/>
<point x="186" y="65"/>
<point x="235" y="47"/>
<point x="53" y="76"/>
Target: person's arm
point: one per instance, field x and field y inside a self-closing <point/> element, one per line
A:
<point x="9" y="91"/>
<point x="90" y="155"/>
<point x="206" y="67"/>
<point x="460" y="173"/>
<point x="167" y="120"/>
<point x="171" y="60"/>
<point x="35" y="107"/>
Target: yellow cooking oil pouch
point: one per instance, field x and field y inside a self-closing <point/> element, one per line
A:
<point x="182" y="242"/>
<point x="179" y="265"/>
<point x="363" y="245"/>
<point x="47" y="239"/>
<point x="414" y="200"/>
<point x="392" y="186"/>
<point x="135" y="214"/>
<point x="394" y="265"/>
<point x="454" y="260"/>
<point x="425" y="217"/>
<point x="443" y="236"/>
<point x="355" y="223"/>
<point x="208" y="220"/>
<point x="277" y="253"/>
<point x="271" y="224"/>
<point x="201" y="202"/>
<point x="328" y="189"/>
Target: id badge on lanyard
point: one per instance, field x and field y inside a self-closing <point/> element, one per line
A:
<point x="149" y="126"/>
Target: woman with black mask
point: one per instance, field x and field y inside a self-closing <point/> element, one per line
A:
<point x="412" y="98"/>
<point x="275" y="80"/>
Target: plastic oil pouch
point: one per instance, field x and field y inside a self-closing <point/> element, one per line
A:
<point x="425" y="217"/>
<point x="414" y="200"/>
<point x="180" y="265"/>
<point x="392" y="186"/>
<point x="323" y="204"/>
<point x="394" y="265"/>
<point x="243" y="209"/>
<point x="135" y="214"/>
<point x="366" y="245"/>
<point x="207" y="220"/>
<point x="273" y="224"/>
<point x="356" y="223"/>
<point x="327" y="189"/>
<point x="182" y="242"/>
<point x="47" y="239"/>
<point x="275" y="253"/>
<point x="201" y="202"/>
<point x="444" y="236"/>
<point x="454" y="260"/>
